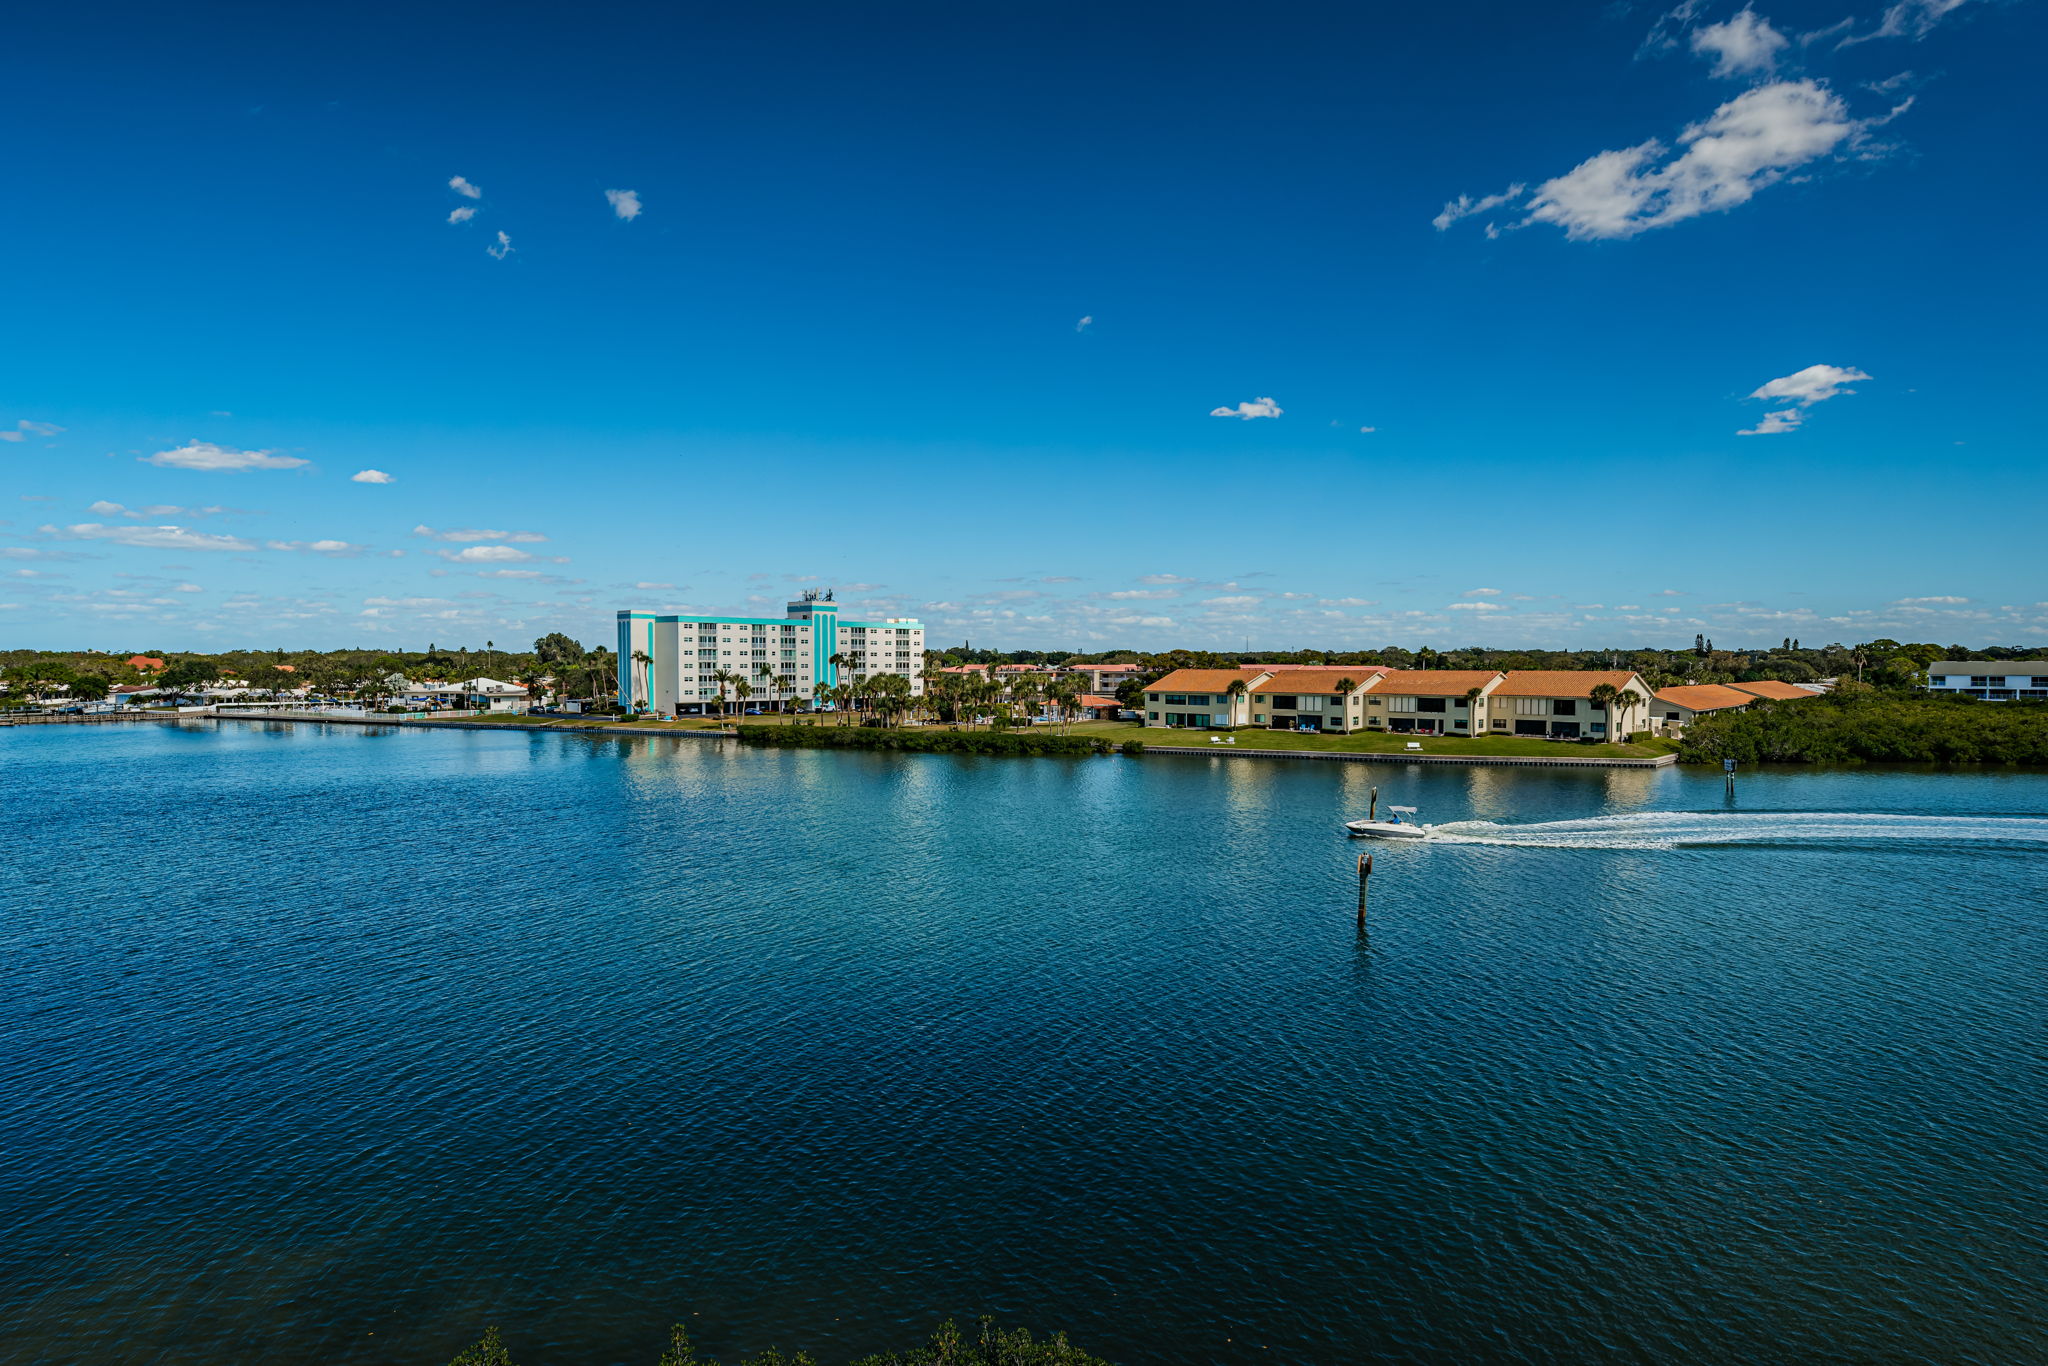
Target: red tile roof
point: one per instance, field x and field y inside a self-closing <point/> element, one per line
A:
<point x="144" y="662"/>
<point x="1089" y="699"/>
<point x="1433" y="682"/>
<point x="1320" y="678"/>
<point x="1704" y="697"/>
<point x="1775" y="689"/>
<point x="1203" y="680"/>
<point x="1567" y="682"/>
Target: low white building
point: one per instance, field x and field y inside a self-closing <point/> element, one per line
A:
<point x="1990" y="680"/>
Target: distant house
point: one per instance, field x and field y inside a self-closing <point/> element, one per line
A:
<point x="1673" y="709"/>
<point x="1099" y="707"/>
<point x="1555" y="704"/>
<point x="145" y="663"/>
<point x="489" y="694"/>
<point x="1103" y="678"/>
<point x="1989" y="681"/>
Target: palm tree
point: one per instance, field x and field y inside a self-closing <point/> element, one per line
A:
<point x="741" y="691"/>
<point x="1625" y="700"/>
<point x="645" y="661"/>
<point x="724" y="678"/>
<point x="1238" y="688"/>
<point x="1604" y="695"/>
<point x="786" y="683"/>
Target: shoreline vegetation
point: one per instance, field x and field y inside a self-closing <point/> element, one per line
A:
<point x="1873" y="727"/>
<point x="948" y="1346"/>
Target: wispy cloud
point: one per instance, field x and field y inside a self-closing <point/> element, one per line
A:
<point x="1776" y="424"/>
<point x="148" y="537"/>
<point x="1913" y="19"/>
<point x="494" y="554"/>
<point x="1939" y="601"/>
<point x="1258" y="407"/>
<point x="1756" y="140"/>
<point x="370" y="477"/>
<point x="334" y="549"/>
<point x="1165" y="578"/>
<point x="504" y="247"/>
<point x="108" y="509"/>
<point x="461" y="214"/>
<point x="206" y="456"/>
<point x="463" y="535"/>
<point x="1477" y="607"/>
<point x="625" y="203"/>
<point x="1464" y="206"/>
<point x="1480" y="593"/>
<point x="462" y="187"/>
<point x="25" y="429"/>
<point x="1085" y="323"/>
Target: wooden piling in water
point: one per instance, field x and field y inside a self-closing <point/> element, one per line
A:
<point x="1364" y="872"/>
<point x="1372" y="807"/>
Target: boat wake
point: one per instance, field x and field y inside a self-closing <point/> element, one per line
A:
<point x="1680" y="829"/>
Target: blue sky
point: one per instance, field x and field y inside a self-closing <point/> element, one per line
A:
<point x="1053" y="325"/>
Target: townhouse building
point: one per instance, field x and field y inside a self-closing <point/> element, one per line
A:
<point x="1554" y="704"/>
<point x="1989" y="680"/>
<point x="671" y="664"/>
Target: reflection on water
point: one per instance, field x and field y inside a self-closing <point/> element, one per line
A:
<point x="316" y="1034"/>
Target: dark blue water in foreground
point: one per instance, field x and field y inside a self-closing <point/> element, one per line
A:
<point x="339" y="1044"/>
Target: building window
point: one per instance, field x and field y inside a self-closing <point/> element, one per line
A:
<point x="1429" y="704"/>
<point x="1565" y="707"/>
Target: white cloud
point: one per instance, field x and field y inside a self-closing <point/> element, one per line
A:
<point x="1814" y="384"/>
<point x="1776" y="424"/>
<point x="656" y="587"/>
<point x="1740" y="45"/>
<point x="107" y="509"/>
<point x="370" y="477"/>
<point x="461" y="214"/>
<point x="337" y="549"/>
<point x="511" y="574"/>
<point x="1083" y="325"/>
<point x="1464" y="206"/>
<point x="1165" y="578"/>
<point x="504" y="247"/>
<point x="1480" y="593"/>
<point x="1477" y="607"/>
<point x="1750" y="143"/>
<point x="464" y="188"/>
<point x="1363" y="431"/>
<point x="205" y="455"/>
<point x="149" y="537"/>
<point x="1230" y="602"/>
<point x="25" y="429"/>
<point x="464" y="535"/>
<point x="1141" y="594"/>
<point x="625" y="203"/>
<point x="188" y="588"/>
<point x="1940" y="601"/>
<point x="486" y="554"/>
<point x="1263" y="407"/>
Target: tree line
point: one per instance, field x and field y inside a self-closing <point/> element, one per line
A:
<point x="1871" y="725"/>
<point x="949" y="1346"/>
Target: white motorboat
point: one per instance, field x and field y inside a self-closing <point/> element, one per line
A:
<point x="1396" y="829"/>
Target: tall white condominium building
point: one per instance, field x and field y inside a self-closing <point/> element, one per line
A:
<point x="671" y="664"/>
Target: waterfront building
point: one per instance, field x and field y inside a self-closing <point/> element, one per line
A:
<point x="1989" y="680"/>
<point x="1556" y="704"/>
<point x="672" y="664"/>
<point x="1673" y="709"/>
<point x="1328" y="698"/>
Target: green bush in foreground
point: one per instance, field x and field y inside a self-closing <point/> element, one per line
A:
<point x="991" y="1346"/>
<point x="1872" y="728"/>
<point x="923" y="741"/>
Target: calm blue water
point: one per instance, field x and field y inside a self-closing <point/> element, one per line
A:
<point x="340" y="1044"/>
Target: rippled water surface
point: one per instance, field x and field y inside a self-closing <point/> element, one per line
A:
<point x="338" y="1044"/>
